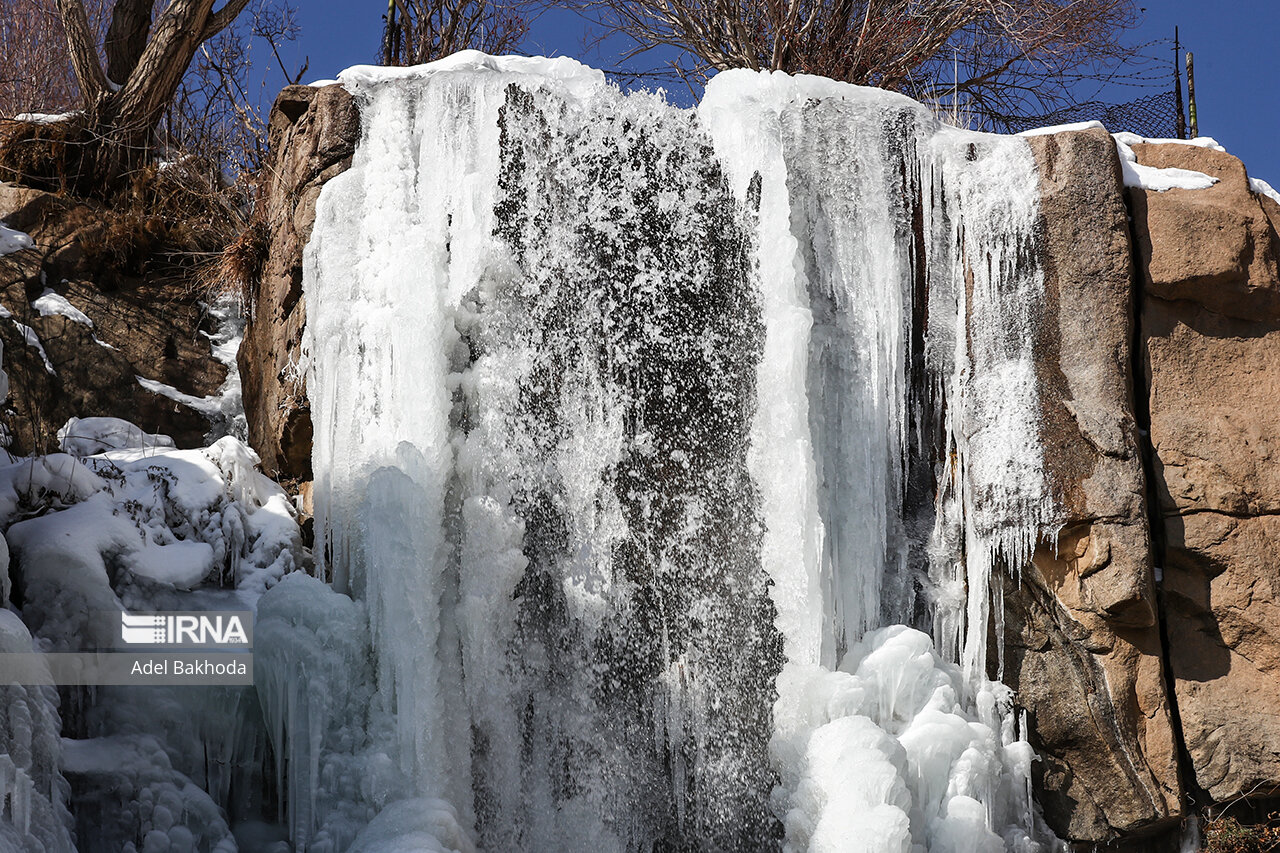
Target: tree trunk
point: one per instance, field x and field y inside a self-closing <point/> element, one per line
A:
<point x="127" y="37"/>
<point x="120" y="123"/>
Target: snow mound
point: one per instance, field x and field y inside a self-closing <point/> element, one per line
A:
<point x="91" y="436"/>
<point x="174" y="517"/>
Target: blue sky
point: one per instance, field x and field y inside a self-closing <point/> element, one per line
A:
<point x="1236" y="45"/>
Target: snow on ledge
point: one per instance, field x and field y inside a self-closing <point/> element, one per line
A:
<point x="50" y="302"/>
<point x="561" y="69"/>
<point x="44" y="118"/>
<point x="1261" y="187"/>
<point x="1199" y="142"/>
<point x="207" y="406"/>
<point x="1062" y="128"/>
<point x="1159" y="180"/>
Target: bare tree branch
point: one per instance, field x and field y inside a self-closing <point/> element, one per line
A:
<point x="222" y="18"/>
<point x="1003" y="48"/>
<point x="420" y="31"/>
<point x="83" y="49"/>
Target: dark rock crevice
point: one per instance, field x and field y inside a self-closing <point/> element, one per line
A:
<point x="1156" y="525"/>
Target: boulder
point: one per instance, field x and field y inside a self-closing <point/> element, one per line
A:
<point x="60" y="367"/>
<point x="312" y="135"/>
<point x="1210" y="333"/>
<point x="1216" y="247"/>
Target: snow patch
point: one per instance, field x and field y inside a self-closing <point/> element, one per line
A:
<point x="50" y="303"/>
<point x="31" y="338"/>
<point x="207" y="406"/>
<point x="1063" y="128"/>
<point x="44" y="118"/>
<point x="12" y="240"/>
<point x="1263" y="188"/>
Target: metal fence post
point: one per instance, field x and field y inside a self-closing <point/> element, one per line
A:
<point x="1191" y="94"/>
<point x="1177" y="85"/>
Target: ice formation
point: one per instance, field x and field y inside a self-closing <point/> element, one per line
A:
<point x="627" y="428"/>
<point x="126" y="522"/>
<point x="666" y="465"/>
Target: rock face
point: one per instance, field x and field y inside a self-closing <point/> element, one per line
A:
<point x="312" y="137"/>
<point x="148" y="327"/>
<point x="1082" y="643"/>
<point x="1160" y="376"/>
<point x="1210" y="262"/>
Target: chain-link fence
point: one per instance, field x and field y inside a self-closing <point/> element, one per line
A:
<point x="1158" y="114"/>
<point x="1154" y="116"/>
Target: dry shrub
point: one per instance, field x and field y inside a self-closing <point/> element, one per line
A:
<point x="233" y="273"/>
<point x="125" y="242"/>
<point x="54" y="156"/>
<point x="201" y="214"/>
<point x="1228" y="835"/>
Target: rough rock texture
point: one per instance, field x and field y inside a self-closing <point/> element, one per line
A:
<point x="1211" y="347"/>
<point x="1082" y="644"/>
<point x="312" y="137"/>
<point x="149" y="326"/>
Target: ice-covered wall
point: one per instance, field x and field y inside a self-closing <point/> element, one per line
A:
<point x="646" y="440"/>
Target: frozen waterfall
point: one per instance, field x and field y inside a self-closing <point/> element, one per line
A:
<point x="667" y="456"/>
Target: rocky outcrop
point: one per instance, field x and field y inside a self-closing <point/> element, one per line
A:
<point x="1082" y="643"/>
<point x="312" y="137"/>
<point x="150" y="326"/>
<point x="1210" y="268"/>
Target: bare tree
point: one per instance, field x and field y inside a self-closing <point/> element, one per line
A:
<point x="420" y="31"/>
<point x="991" y="56"/>
<point x="215" y="118"/>
<point x="146" y="57"/>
